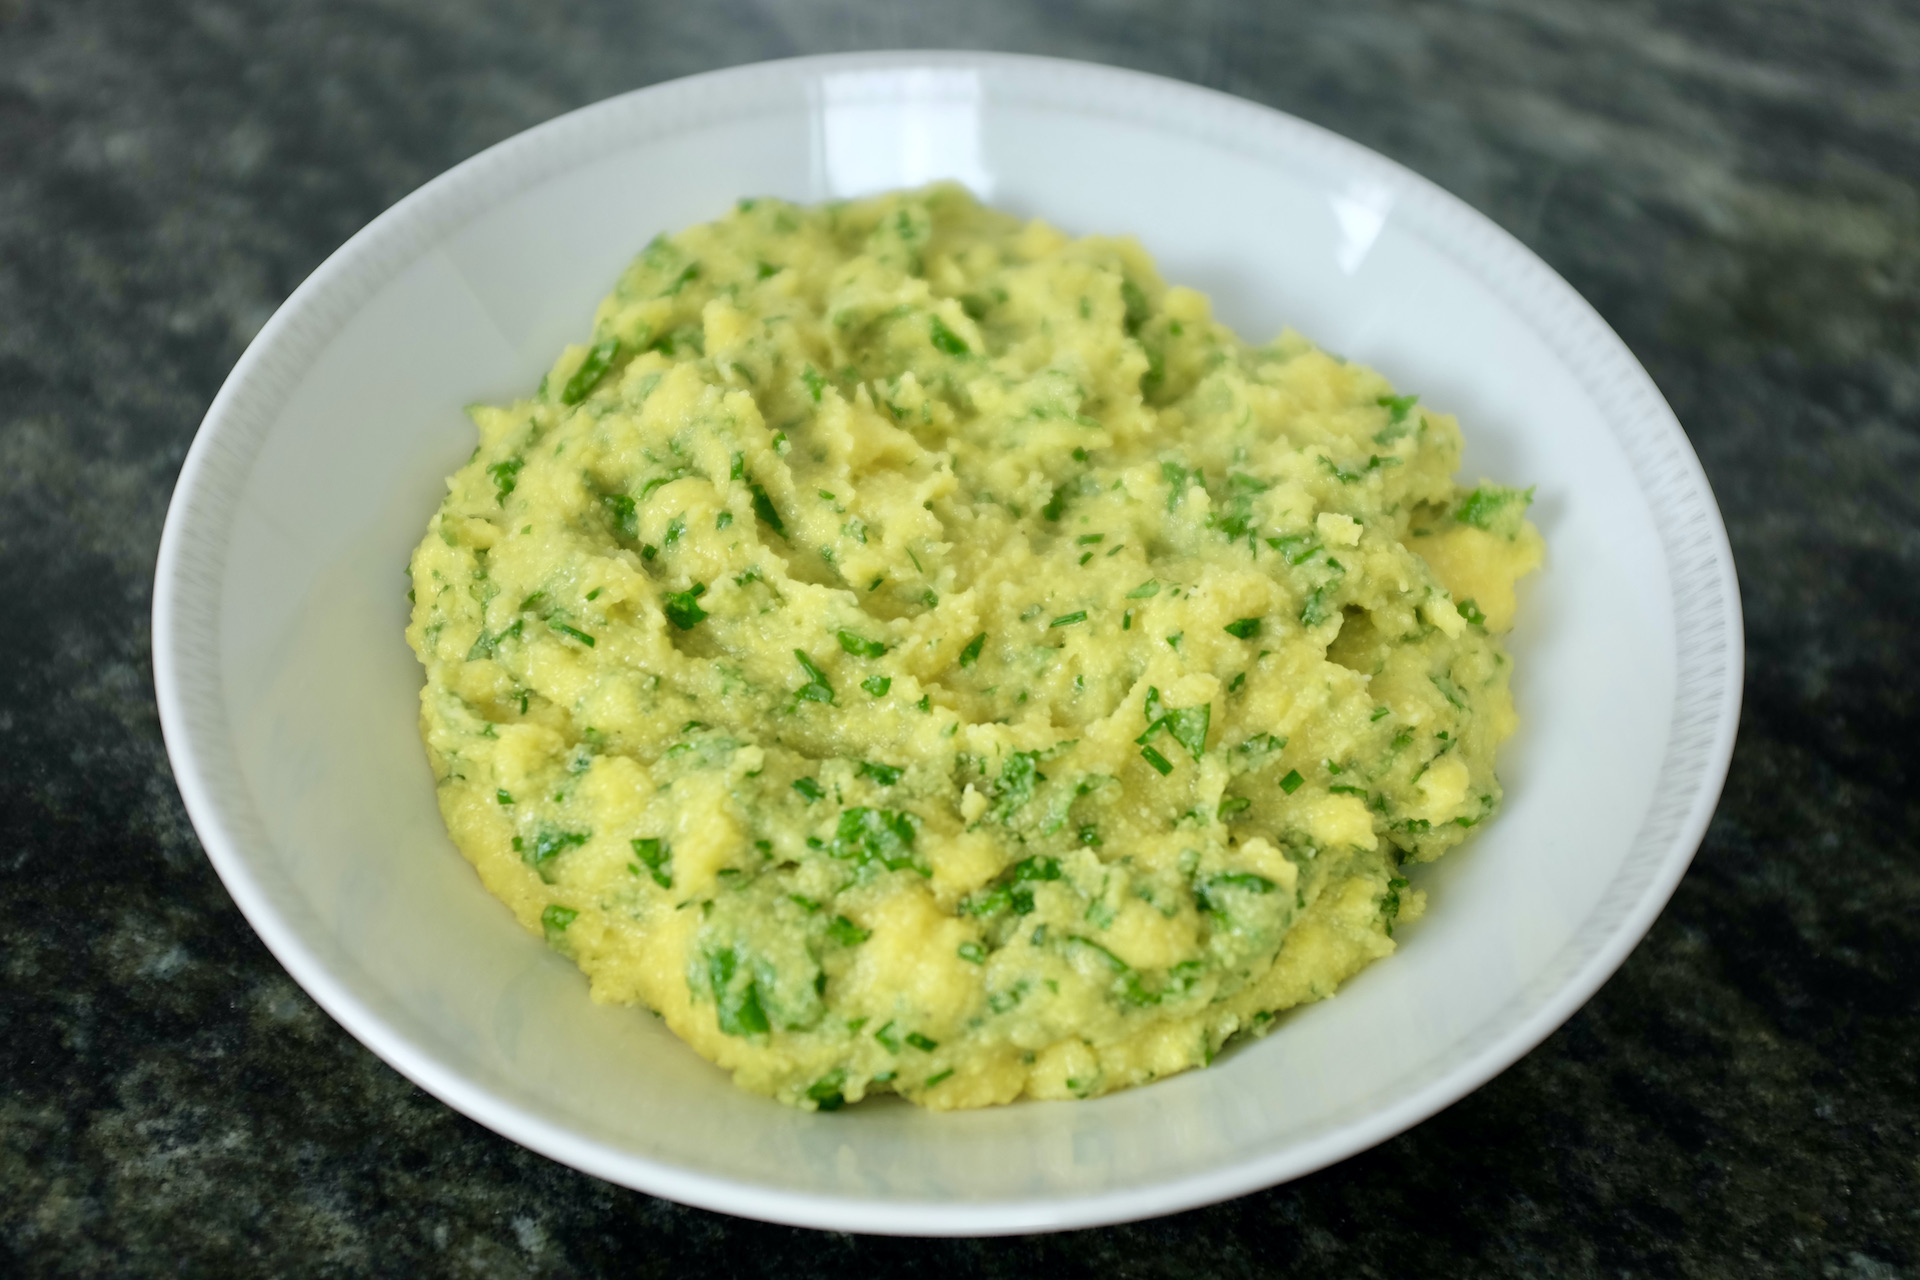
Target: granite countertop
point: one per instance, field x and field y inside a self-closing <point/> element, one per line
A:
<point x="1736" y="188"/>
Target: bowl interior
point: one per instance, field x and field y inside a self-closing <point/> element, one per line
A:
<point x="289" y="695"/>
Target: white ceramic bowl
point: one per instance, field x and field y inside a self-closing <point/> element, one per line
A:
<point x="288" y="695"/>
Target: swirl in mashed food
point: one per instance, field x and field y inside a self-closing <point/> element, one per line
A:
<point x="911" y="650"/>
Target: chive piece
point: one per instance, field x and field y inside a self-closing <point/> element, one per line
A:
<point x="1471" y="612"/>
<point x="1126" y="621"/>
<point x="1238" y="680"/>
<point x="816" y="689"/>
<point x="971" y="654"/>
<point x="889" y="1039"/>
<point x="946" y="340"/>
<point x="815" y="380"/>
<point x="503" y="797"/>
<point x="681" y="609"/>
<point x="657" y="856"/>
<point x="925" y="704"/>
<point x="1068" y="619"/>
<point x="1379" y="713"/>
<point x="1146" y="590"/>
<point x="810" y="789"/>
<point x="860" y="646"/>
<point x="1158" y="761"/>
<point x="1291" y="783"/>
<point x="723" y="520"/>
<point x="575" y="632"/>
<point x="1231" y="805"/>
<point x="973" y="953"/>
<point x="599" y="359"/>
<point x="938" y="1076"/>
<point x="1089" y="539"/>
<point x="847" y="933"/>
<point x="922" y="1043"/>
<point x="877" y="685"/>
<point x="1243" y="628"/>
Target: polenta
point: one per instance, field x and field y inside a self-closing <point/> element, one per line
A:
<point x="911" y="650"/>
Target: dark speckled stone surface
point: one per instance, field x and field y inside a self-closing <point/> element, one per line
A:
<point x="1735" y="184"/>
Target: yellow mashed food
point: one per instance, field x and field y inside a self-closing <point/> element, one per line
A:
<point x="911" y="650"/>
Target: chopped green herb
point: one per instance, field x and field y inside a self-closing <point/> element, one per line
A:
<point x="681" y="608"/>
<point x="973" y="953"/>
<point x="816" y="689"/>
<point x="815" y="380"/>
<point x="877" y="685"/>
<point x="1158" y="761"/>
<point x="810" y="789"/>
<point x="575" y="632"/>
<point x="1471" y="612"/>
<point x="861" y="647"/>
<point x="599" y="359"/>
<point x="1089" y="539"/>
<point x="945" y="340"/>
<point x="1068" y="619"/>
<point x="1291" y="783"/>
<point x="867" y="836"/>
<point x="549" y="844"/>
<point x="922" y="1043"/>
<point x="657" y="857"/>
<point x="889" y="1038"/>
<point x="554" y="921"/>
<point x="1243" y="628"/>
<point x="846" y="932"/>
<point x="971" y="654"/>
<point x="503" y="797"/>
<point x="764" y="508"/>
<point x="825" y="1093"/>
<point x="1380" y="713"/>
<point x="1495" y="509"/>
<point x="736" y="1003"/>
<point x="1146" y="590"/>
<point x="505" y="476"/>
<point x="884" y="774"/>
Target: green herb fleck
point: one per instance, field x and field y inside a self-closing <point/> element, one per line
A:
<point x="971" y="654"/>
<point x="846" y="932"/>
<point x="877" y="685"/>
<point x="599" y="359"/>
<point x="810" y="789"/>
<point x="816" y="689"/>
<point x="1291" y="783"/>
<point x="945" y="340"/>
<point x="657" y="857"/>
<point x="1068" y="619"/>
<point x="860" y="646"/>
<point x="1243" y="628"/>
<point x="681" y="607"/>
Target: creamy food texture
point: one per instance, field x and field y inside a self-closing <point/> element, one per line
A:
<point x="909" y="649"/>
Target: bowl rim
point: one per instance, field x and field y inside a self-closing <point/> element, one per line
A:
<point x="1709" y="659"/>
